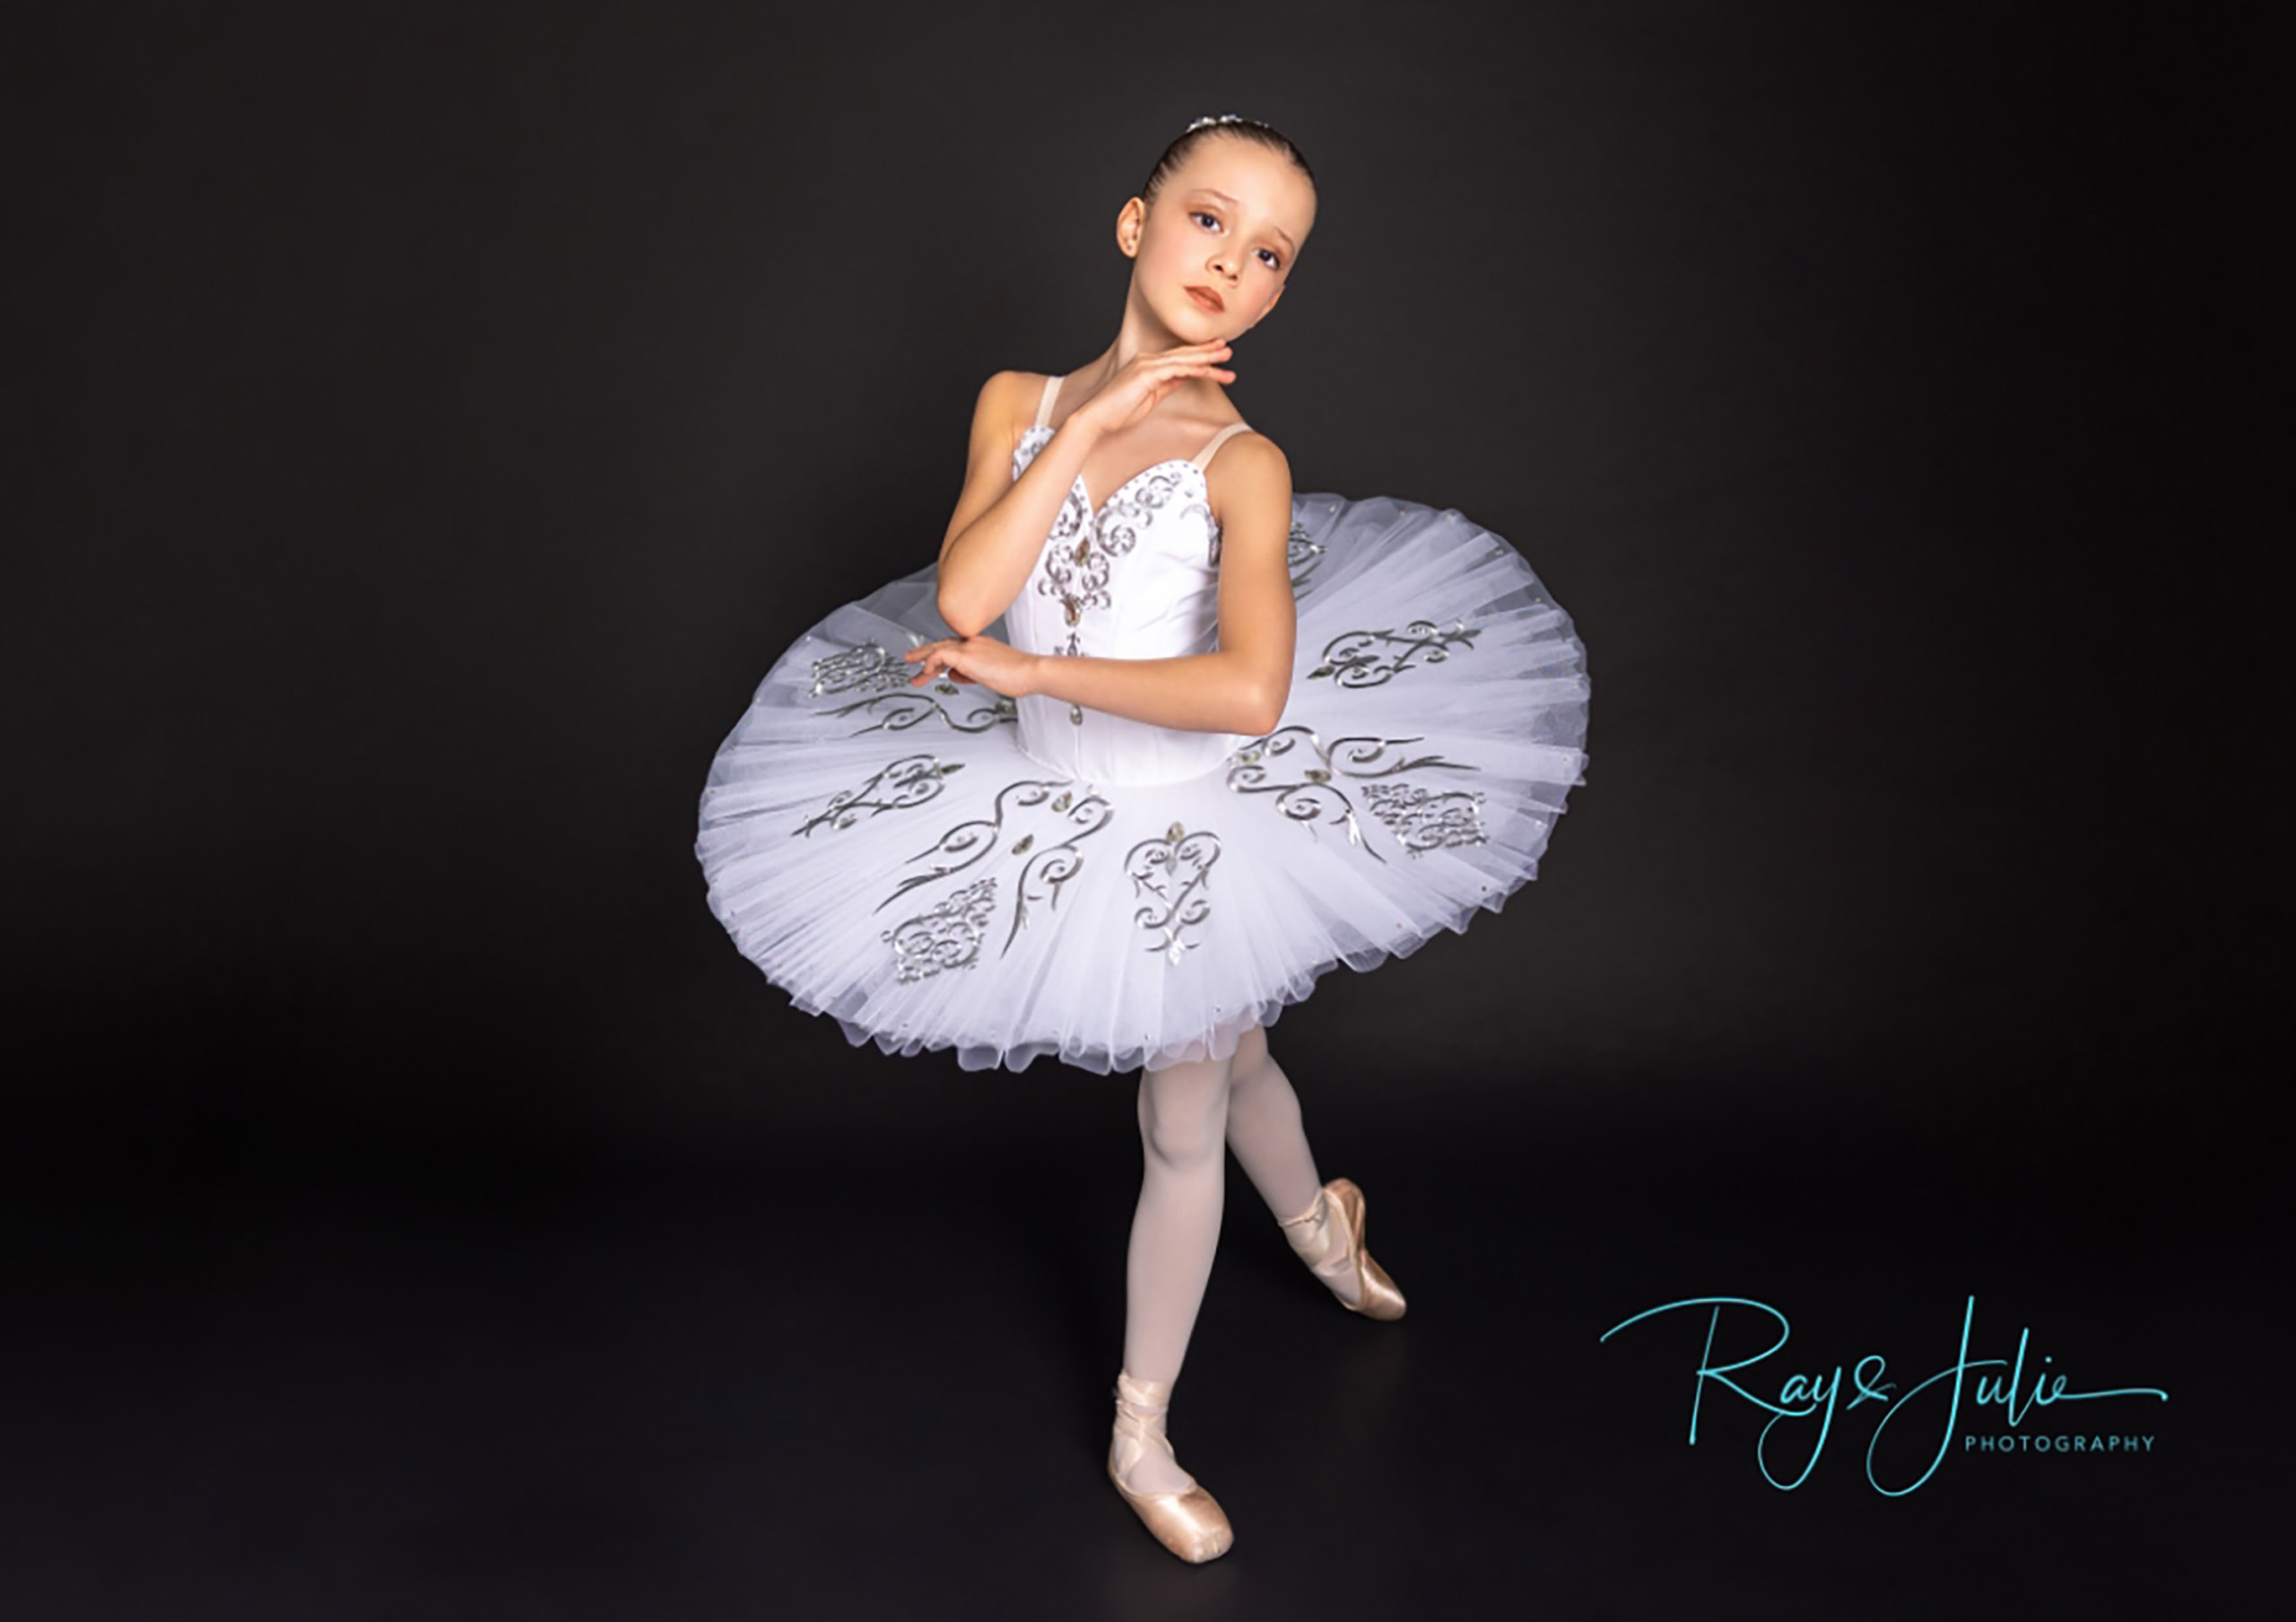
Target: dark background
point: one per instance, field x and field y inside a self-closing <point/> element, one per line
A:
<point x="431" y="422"/>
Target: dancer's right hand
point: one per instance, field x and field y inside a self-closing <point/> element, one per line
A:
<point x="1132" y="393"/>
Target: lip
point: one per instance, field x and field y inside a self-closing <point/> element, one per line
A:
<point x="1210" y="299"/>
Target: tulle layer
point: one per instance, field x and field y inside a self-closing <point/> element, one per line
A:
<point x="890" y="858"/>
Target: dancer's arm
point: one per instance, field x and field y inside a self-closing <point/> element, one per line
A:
<point x="1000" y="524"/>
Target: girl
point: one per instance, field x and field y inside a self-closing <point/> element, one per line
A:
<point x="1151" y="746"/>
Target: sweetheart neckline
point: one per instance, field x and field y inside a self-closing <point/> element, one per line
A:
<point x="1097" y="514"/>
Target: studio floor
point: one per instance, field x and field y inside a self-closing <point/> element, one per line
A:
<point x="757" y="1380"/>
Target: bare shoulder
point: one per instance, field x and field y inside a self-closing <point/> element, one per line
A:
<point x="1255" y="450"/>
<point x="1005" y="404"/>
<point x="1010" y="395"/>
<point x="1249" y="472"/>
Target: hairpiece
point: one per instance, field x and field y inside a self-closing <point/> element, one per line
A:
<point x="1215" y="119"/>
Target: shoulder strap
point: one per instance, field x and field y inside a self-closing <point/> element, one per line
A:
<point x="1044" y="405"/>
<point x="1211" y="446"/>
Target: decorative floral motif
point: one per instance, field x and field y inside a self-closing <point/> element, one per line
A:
<point x="1067" y="550"/>
<point x="1302" y="555"/>
<point x="868" y="666"/>
<point x="945" y="937"/>
<point x="1307" y="793"/>
<point x="1049" y="865"/>
<point x="1424" y="819"/>
<point x="910" y="780"/>
<point x="1172" y="870"/>
<point x="1131" y="510"/>
<point x="1055" y="865"/>
<point x="903" y="710"/>
<point x="1371" y="658"/>
<point x="1077" y="562"/>
<point x="1074" y="571"/>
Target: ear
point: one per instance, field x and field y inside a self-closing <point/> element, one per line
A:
<point x="1131" y="220"/>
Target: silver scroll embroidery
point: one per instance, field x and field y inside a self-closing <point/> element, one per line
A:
<point x="1050" y="862"/>
<point x="868" y="666"/>
<point x="910" y="780"/>
<point x="1424" y="819"/>
<point x="1371" y="658"/>
<point x="902" y="711"/>
<point x="1172" y="871"/>
<point x="946" y="936"/>
<point x="1077" y="557"/>
<point x="1307" y="792"/>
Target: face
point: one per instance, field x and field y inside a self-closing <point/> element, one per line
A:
<point x="1229" y="223"/>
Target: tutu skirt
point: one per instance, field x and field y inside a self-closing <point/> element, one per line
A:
<point x="890" y="856"/>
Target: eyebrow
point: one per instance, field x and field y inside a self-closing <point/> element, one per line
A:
<point x="1289" y="247"/>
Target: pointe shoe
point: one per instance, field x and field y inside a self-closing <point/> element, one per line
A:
<point x="1332" y="1247"/>
<point x="1188" y="1521"/>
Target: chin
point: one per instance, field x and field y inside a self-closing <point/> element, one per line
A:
<point x="1213" y="324"/>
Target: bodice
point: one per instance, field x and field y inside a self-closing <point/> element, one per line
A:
<point x="1139" y="578"/>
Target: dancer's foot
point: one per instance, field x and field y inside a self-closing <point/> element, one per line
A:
<point x="1183" y="1517"/>
<point x="1329" y="1236"/>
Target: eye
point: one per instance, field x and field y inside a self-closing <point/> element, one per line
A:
<point x="1274" y="259"/>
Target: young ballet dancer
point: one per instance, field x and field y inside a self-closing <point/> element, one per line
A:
<point x="1154" y="744"/>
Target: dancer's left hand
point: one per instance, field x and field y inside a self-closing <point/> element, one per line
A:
<point x="994" y="665"/>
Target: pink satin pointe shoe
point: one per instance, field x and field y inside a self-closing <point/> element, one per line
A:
<point x="1329" y="1236"/>
<point x="1188" y="1521"/>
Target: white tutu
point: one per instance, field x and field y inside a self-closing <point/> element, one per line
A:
<point x="892" y="857"/>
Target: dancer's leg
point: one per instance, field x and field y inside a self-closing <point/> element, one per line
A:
<point x="1271" y="1144"/>
<point x="1265" y="1130"/>
<point x="1175" y="1229"/>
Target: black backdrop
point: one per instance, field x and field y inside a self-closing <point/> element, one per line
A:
<point x="432" y="421"/>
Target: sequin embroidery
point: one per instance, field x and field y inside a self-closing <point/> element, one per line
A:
<point x="945" y="937"/>
<point x="896" y="786"/>
<point x="1307" y="794"/>
<point x="1372" y="659"/>
<point x="903" y="710"/>
<point x="866" y="666"/>
<point x="1050" y="862"/>
<point x="1075" y="573"/>
<point x="1172" y="871"/>
<point x="1424" y="819"/>
<point x="1076" y="567"/>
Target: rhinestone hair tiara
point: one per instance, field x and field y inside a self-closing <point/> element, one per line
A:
<point x="1217" y="119"/>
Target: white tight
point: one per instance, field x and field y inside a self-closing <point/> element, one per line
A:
<point x="1186" y="1113"/>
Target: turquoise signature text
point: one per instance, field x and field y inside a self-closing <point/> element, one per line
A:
<point x="1807" y="1394"/>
